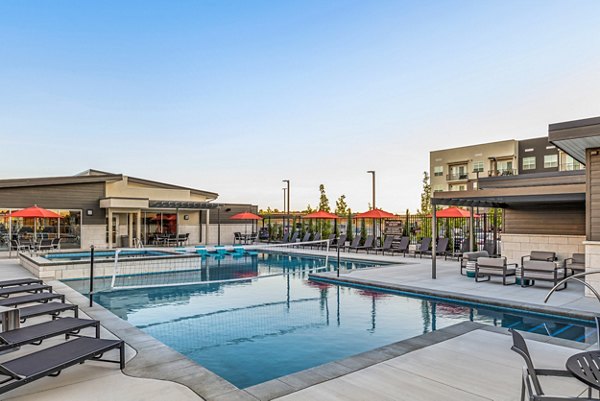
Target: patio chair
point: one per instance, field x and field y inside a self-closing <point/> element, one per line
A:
<point x="37" y="333"/>
<point x="441" y="248"/>
<point x="317" y="237"/>
<point x="464" y="248"/>
<point x="31" y="288"/>
<point x="401" y="248"/>
<point x="423" y="247"/>
<point x="294" y="238"/>
<point x="56" y="243"/>
<point x="575" y="263"/>
<point x="368" y="245"/>
<point x="27" y="299"/>
<point x="355" y="243"/>
<point x="332" y="241"/>
<point x="306" y="238"/>
<point x="542" y="270"/>
<point x="44" y="245"/>
<point x="470" y="257"/>
<point x="539" y="255"/>
<point x="387" y="245"/>
<point x="51" y="361"/>
<point x="530" y="382"/>
<point x="488" y="267"/>
<point x="237" y="237"/>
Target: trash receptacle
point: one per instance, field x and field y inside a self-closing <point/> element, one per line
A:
<point x="124" y="241"/>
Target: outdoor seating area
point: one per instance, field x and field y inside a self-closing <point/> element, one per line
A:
<point x="26" y="298"/>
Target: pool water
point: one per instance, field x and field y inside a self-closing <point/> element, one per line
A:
<point x="255" y="330"/>
<point x="104" y="254"/>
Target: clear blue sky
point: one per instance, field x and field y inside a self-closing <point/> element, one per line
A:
<point x="234" y="96"/>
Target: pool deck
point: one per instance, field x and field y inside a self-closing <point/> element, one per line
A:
<point x="467" y="361"/>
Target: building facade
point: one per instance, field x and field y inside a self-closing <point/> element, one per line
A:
<point x="108" y="210"/>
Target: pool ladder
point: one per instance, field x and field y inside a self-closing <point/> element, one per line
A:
<point x="137" y="243"/>
<point x="576" y="277"/>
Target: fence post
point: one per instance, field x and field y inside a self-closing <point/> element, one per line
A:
<point x="91" y="276"/>
<point x="338" y="256"/>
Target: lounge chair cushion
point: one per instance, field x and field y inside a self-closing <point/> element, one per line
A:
<point x="541" y="270"/>
<point x="493" y="263"/>
<point x="542" y="255"/>
<point x="473" y="256"/>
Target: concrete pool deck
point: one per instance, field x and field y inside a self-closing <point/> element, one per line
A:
<point x="439" y="364"/>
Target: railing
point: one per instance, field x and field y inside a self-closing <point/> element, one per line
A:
<point x="457" y="176"/>
<point x="571" y="167"/>
<point x="502" y="172"/>
<point x="576" y="277"/>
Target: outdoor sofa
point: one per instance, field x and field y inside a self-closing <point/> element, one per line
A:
<point x="542" y="270"/>
<point x="468" y="257"/>
<point x="488" y="267"/>
<point x="576" y="263"/>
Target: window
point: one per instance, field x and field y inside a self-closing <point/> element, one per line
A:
<point x="529" y="163"/>
<point x="438" y="188"/>
<point x="504" y="167"/>
<point x="438" y="171"/>
<point x="550" y="161"/>
<point x="478" y="166"/>
<point x="475" y="185"/>
<point x="571" y="164"/>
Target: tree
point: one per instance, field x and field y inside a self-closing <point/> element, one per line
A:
<point x="349" y="228"/>
<point x="341" y="207"/>
<point x="425" y="195"/>
<point x="323" y="200"/>
<point x="363" y="231"/>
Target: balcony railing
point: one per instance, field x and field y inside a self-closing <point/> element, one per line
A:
<point x="571" y="167"/>
<point x="457" y="176"/>
<point x="502" y="172"/>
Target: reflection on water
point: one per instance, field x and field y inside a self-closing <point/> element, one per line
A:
<point x="250" y="331"/>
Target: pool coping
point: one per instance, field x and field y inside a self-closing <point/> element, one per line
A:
<point x="156" y="360"/>
<point x="456" y="296"/>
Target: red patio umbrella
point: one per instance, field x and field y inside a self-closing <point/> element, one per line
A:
<point x="36" y="212"/>
<point x="375" y="214"/>
<point x="453" y="212"/>
<point x="246" y="216"/>
<point x="322" y="215"/>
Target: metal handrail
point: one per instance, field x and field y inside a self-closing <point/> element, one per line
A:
<point x="576" y="278"/>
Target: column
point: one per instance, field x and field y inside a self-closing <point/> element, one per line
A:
<point x="138" y="233"/>
<point x="109" y="229"/>
<point x="130" y="229"/>
<point x="471" y="229"/>
<point x="206" y="237"/>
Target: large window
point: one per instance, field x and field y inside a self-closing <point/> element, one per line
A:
<point x="438" y="171"/>
<point x="505" y="167"/>
<point x="570" y="164"/>
<point x="529" y="163"/>
<point x="550" y="161"/>
<point x="478" y="166"/>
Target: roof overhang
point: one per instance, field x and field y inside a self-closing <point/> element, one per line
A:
<point x="124" y="203"/>
<point x="574" y="137"/>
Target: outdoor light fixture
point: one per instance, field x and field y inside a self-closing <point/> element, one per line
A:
<point x="89" y="212"/>
<point x="186" y="216"/>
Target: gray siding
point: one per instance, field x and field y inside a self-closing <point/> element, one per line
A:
<point x="76" y="196"/>
<point x="539" y="151"/>
<point x="550" y="219"/>
<point x="593" y="194"/>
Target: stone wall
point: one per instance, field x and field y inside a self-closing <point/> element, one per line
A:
<point x="592" y="262"/>
<point x="93" y="234"/>
<point x="227" y="231"/>
<point x="514" y="246"/>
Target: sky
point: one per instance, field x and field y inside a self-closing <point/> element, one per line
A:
<point x="235" y="96"/>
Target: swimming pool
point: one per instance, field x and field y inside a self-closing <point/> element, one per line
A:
<point x="255" y="330"/>
<point x="77" y="256"/>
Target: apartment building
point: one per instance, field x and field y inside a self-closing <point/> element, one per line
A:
<point x="458" y="169"/>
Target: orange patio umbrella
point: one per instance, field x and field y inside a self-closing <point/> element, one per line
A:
<point x="36" y="212"/>
<point x="453" y="212"/>
<point x="322" y="215"/>
<point x="246" y="216"/>
<point x="375" y="214"/>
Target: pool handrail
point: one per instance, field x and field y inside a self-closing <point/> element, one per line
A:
<point x="576" y="277"/>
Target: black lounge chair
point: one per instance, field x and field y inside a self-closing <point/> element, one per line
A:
<point x="423" y="247"/>
<point x="20" y="281"/>
<point x="387" y="245"/>
<point x="49" y="308"/>
<point x="401" y="248"/>
<point x="37" y="333"/>
<point x="530" y="382"/>
<point x="441" y="248"/>
<point x="51" y="361"/>
<point x="25" y="299"/>
<point x="306" y="238"/>
<point x="34" y="288"/>
<point x="317" y="237"/>
<point x="368" y="244"/>
<point x="294" y="238"/>
<point x="355" y="243"/>
<point x="333" y="241"/>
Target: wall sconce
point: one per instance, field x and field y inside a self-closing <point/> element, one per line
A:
<point x="89" y="212"/>
<point x="186" y="216"/>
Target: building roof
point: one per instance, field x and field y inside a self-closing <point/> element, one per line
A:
<point x="574" y="137"/>
<point x="92" y="176"/>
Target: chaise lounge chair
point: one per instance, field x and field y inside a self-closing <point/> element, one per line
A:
<point x="51" y="361"/>
<point x="354" y="245"/>
<point x="20" y="282"/>
<point x="49" y="308"/>
<point x="26" y="299"/>
<point x="37" y="333"/>
<point x="402" y="246"/>
<point x="387" y="245"/>
<point x="441" y="248"/>
<point x="368" y="244"/>
<point x="423" y="247"/>
<point x="33" y="288"/>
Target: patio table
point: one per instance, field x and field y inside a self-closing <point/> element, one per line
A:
<point x="585" y="366"/>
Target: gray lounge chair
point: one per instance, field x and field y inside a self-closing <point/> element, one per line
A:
<point x="542" y="270"/>
<point x="488" y="267"/>
<point x="471" y="257"/>
<point x="530" y="382"/>
<point x="355" y="243"/>
<point x="335" y="242"/>
<point x="576" y="263"/>
<point x="33" y="288"/>
<point x="317" y="237"/>
<point x="294" y="238"/>
<point x="51" y="361"/>
<point x="49" y="308"/>
<point x="401" y="248"/>
<point x="26" y="299"/>
<point x="20" y="281"/>
<point x="539" y="255"/>
<point x="387" y="245"/>
<point x="306" y="238"/>
<point x="368" y="244"/>
<point x="441" y="248"/>
<point x="423" y="247"/>
<point x="37" y="333"/>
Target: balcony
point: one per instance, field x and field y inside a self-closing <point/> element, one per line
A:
<point x="502" y="172"/>
<point x="457" y="177"/>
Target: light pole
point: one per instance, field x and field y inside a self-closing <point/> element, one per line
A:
<point x="284" y="208"/>
<point x="373" y="173"/>
<point x="288" y="201"/>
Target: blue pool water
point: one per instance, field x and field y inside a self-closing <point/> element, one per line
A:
<point x="255" y="330"/>
<point x="103" y="254"/>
